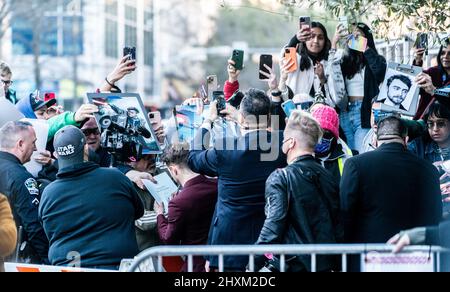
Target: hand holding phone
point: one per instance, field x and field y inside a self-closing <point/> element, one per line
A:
<point x="219" y="96"/>
<point x="212" y="85"/>
<point x="238" y="59"/>
<point x="344" y="26"/>
<point x="265" y="62"/>
<point x="155" y="120"/>
<point x="358" y="43"/>
<point x="290" y="57"/>
<point x="288" y="107"/>
<point x="130" y="52"/>
<point x="305" y="22"/>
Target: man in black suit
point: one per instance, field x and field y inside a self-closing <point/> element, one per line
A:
<point x="242" y="166"/>
<point x="389" y="189"/>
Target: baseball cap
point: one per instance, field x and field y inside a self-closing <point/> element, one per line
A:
<point x="37" y="102"/>
<point x="69" y="145"/>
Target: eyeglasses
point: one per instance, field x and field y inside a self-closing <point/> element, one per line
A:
<point x="7" y="82"/>
<point x="88" y="132"/>
<point x="438" y="124"/>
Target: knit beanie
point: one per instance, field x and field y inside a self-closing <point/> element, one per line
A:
<point x="327" y="118"/>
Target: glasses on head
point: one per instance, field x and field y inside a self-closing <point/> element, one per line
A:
<point x="7" y="82"/>
<point x="88" y="132"/>
<point x="304" y="106"/>
<point x="438" y="124"/>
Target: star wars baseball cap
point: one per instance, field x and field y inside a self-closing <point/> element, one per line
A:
<point x="69" y="146"/>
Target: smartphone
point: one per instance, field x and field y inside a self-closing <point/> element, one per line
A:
<point x="49" y="96"/>
<point x="358" y="43"/>
<point x="343" y="21"/>
<point x="131" y="52"/>
<point x="238" y="58"/>
<point x="212" y="85"/>
<point x="305" y="22"/>
<point x="288" y="107"/>
<point x="265" y="60"/>
<point x="290" y="54"/>
<point x="422" y="42"/>
<point x="155" y="119"/>
<point x="219" y="96"/>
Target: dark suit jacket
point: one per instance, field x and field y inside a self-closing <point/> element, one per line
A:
<point x="242" y="174"/>
<point x="190" y="214"/>
<point x="387" y="191"/>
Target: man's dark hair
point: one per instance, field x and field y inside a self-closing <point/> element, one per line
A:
<point x="256" y="103"/>
<point x="402" y="78"/>
<point x="438" y="110"/>
<point x="391" y="127"/>
<point x="176" y="154"/>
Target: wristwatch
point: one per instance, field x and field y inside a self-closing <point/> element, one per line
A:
<point x="276" y="93"/>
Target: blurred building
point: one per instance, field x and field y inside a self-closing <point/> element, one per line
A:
<point x="80" y="43"/>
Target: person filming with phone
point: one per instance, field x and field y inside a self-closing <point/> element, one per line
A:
<point x="433" y="78"/>
<point x="357" y="72"/>
<point x="308" y="77"/>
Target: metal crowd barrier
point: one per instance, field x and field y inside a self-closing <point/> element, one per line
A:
<point x="148" y="259"/>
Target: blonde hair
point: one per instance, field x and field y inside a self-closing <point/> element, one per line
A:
<point x="305" y="128"/>
<point x="4" y="69"/>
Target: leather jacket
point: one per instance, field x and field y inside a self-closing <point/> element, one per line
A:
<point x="302" y="207"/>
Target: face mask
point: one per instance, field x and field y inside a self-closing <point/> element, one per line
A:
<point x="324" y="147"/>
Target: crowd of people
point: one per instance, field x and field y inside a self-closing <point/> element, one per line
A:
<point x="337" y="170"/>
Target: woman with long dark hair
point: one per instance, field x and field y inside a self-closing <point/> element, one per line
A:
<point x="356" y="80"/>
<point x="312" y="46"/>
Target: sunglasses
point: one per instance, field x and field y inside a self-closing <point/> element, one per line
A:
<point x="305" y="106"/>
<point x="7" y="82"/>
<point x="88" y="132"/>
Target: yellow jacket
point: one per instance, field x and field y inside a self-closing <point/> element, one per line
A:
<point x="8" y="231"/>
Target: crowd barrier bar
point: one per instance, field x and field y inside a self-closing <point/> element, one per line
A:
<point x="147" y="256"/>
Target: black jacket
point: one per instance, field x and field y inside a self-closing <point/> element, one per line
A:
<point x="91" y="210"/>
<point x="386" y="191"/>
<point x="302" y="207"/>
<point x="24" y="196"/>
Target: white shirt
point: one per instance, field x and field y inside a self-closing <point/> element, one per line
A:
<point x="355" y="86"/>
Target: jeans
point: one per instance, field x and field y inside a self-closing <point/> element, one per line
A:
<point x="351" y="125"/>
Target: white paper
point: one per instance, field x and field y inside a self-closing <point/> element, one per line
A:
<point x="163" y="190"/>
<point x="41" y="128"/>
<point x="405" y="262"/>
<point x="8" y="112"/>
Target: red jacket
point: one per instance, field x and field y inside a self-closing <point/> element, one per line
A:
<point x="230" y="88"/>
<point x="190" y="216"/>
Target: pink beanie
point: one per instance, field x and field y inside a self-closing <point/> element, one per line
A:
<point x="327" y="118"/>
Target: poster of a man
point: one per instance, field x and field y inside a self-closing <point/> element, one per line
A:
<point x="399" y="92"/>
<point x="398" y="89"/>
